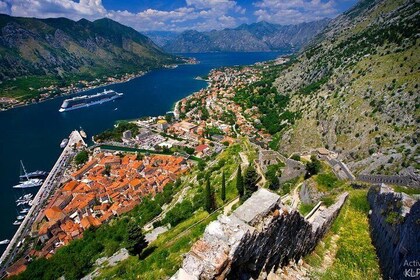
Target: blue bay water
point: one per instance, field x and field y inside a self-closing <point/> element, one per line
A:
<point x="33" y="133"/>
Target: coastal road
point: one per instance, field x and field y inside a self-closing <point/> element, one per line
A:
<point x="43" y="193"/>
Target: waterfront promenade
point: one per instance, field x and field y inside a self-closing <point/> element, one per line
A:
<point x="49" y="185"/>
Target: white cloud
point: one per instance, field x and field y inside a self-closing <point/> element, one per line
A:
<point x="197" y="14"/>
<point x="294" y="11"/>
<point x="4" y="8"/>
<point x="90" y="9"/>
<point x="211" y="4"/>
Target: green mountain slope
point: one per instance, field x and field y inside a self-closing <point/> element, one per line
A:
<point x="354" y="90"/>
<point x="40" y="52"/>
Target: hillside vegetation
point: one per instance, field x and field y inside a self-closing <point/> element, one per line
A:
<point x="41" y="52"/>
<point x="354" y="90"/>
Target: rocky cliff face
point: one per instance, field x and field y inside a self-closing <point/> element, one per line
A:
<point x="260" y="236"/>
<point x="261" y="36"/>
<point x="395" y="229"/>
<point x="356" y="89"/>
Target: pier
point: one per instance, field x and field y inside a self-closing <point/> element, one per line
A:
<point x="47" y="188"/>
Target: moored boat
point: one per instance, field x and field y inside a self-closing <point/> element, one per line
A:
<point x="4" y="242"/>
<point x="31" y="183"/>
<point x="27" y="181"/>
<point x="82" y="133"/>
<point x="34" y="175"/>
<point x="63" y="143"/>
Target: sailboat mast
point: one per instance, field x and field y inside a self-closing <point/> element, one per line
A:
<point x="24" y="170"/>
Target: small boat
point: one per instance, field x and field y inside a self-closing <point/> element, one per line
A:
<point x="63" y="143"/>
<point x="23" y="202"/>
<point x="31" y="183"/>
<point x="20" y="217"/>
<point x="16" y="223"/>
<point x="24" y="211"/>
<point x="31" y="175"/>
<point x="115" y="109"/>
<point x="4" y="242"/>
<point x="82" y="133"/>
<point x="34" y="175"/>
<point x="30" y="202"/>
<point x="25" y="197"/>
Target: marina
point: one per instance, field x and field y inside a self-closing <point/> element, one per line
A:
<point x="51" y="182"/>
<point x="44" y="127"/>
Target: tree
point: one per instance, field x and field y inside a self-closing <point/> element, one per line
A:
<point x="313" y="167"/>
<point x="295" y="157"/>
<point x="209" y="202"/>
<point x="136" y="241"/>
<point x="223" y="191"/>
<point x="107" y="170"/>
<point x="240" y="182"/>
<point x="250" y="182"/>
<point x="189" y="150"/>
<point x="139" y="156"/>
<point x="81" y="157"/>
<point x="201" y="165"/>
<point x="273" y="173"/>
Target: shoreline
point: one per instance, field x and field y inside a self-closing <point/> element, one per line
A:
<point x="74" y="92"/>
<point x="125" y="80"/>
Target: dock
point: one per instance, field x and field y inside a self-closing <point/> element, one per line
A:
<point x="50" y="184"/>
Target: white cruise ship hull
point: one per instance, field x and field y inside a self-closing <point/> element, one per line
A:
<point x="88" y="104"/>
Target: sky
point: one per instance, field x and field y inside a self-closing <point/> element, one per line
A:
<point x="180" y="15"/>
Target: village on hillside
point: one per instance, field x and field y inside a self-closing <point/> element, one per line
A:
<point x="109" y="185"/>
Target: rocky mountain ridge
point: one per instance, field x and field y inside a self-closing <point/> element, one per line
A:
<point x="261" y="36"/>
<point x="356" y="89"/>
<point x="59" y="49"/>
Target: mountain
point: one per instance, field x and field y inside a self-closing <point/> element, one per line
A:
<point x="261" y="36"/>
<point x="59" y="50"/>
<point x="354" y="90"/>
<point x="161" y="38"/>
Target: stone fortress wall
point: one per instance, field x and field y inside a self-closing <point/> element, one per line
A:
<point x="256" y="239"/>
<point x="395" y="236"/>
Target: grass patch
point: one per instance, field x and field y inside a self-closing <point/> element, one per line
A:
<point x="166" y="258"/>
<point x="287" y="186"/>
<point x="356" y="257"/>
<point x="326" y="182"/>
<point x="406" y="190"/>
<point x="305" y="208"/>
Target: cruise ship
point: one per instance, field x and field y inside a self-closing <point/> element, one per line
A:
<point x="89" y="100"/>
